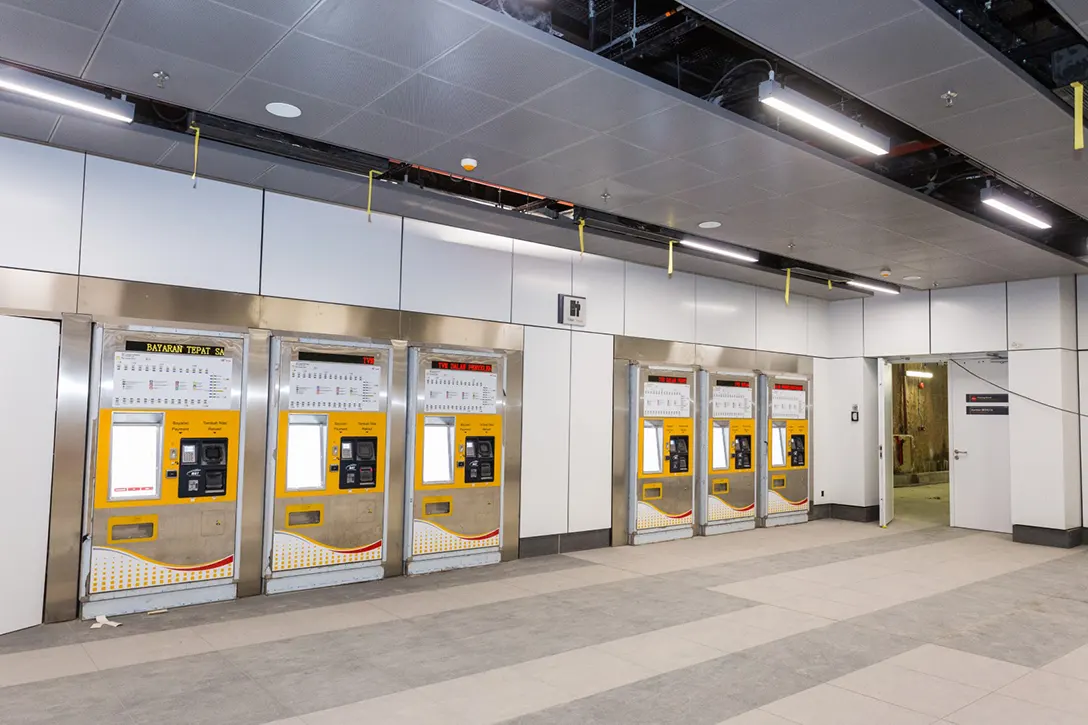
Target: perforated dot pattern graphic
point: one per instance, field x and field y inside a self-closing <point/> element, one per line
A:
<point x="718" y="510"/>
<point x="290" y="551"/>
<point x="430" y="539"/>
<point x="778" y="505"/>
<point x="113" y="570"/>
<point x="649" y="517"/>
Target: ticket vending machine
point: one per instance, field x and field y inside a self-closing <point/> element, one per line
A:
<point x="787" y="488"/>
<point x="663" y="444"/>
<point x="726" y="489"/>
<point x="165" y="449"/>
<point x="328" y="464"/>
<point x="454" y="501"/>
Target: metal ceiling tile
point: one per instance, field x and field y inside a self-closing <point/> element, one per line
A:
<point x="844" y="258"/>
<point x="919" y="252"/>
<point x="804" y="171"/>
<point x="606" y="195"/>
<point x="677" y="130"/>
<point x="23" y="121"/>
<point x="605" y="153"/>
<point x="284" y="12"/>
<point x="328" y="71"/>
<point x="997" y="124"/>
<point x="1036" y="150"/>
<point x="247" y="101"/>
<point x="128" y="66"/>
<point x="745" y="152"/>
<point x="129" y="142"/>
<point x="662" y="210"/>
<point x="438" y="105"/>
<point x="308" y="181"/>
<point x="601" y="100"/>
<point x="492" y="161"/>
<point x="790" y="27"/>
<point x="406" y="32"/>
<point x="197" y="29"/>
<point x="90" y="14"/>
<point x="898" y="272"/>
<point x="865" y="200"/>
<point x="668" y="176"/>
<point x="35" y="40"/>
<point x="384" y="136"/>
<point x="545" y="178"/>
<point x="528" y="67"/>
<point x="899" y="45"/>
<point x="724" y="195"/>
<point x="1076" y="11"/>
<point x="219" y="161"/>
<point x="528" y="133"/>
<point x="979" y="83"/>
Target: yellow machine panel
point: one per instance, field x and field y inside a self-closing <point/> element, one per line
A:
<point x="730" y="470"/>
<point x="787" y="461"/>
<point x="664" y="472"/>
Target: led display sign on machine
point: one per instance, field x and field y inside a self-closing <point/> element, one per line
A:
<point x="467" y="366"/>
<point x="667" y="379"/>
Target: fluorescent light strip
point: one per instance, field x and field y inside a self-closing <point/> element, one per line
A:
<point x="790" y="110"/>
<point x="919" y="374"/>
<point x="1012" y="211"/>
<point x="806" y="110"/>
<point x="712" y="249"/>
<point x="872" y="287"/>
<point x="14" y="85"/>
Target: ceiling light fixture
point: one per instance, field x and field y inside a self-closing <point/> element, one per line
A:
<point x="743" y="256"/>
<point x="911" y="278"/>
<point x="1008" y="205"/>
<point x="283" y="110"/>
<point x="25" y="83"/>
<point x="806" y="110"/>
<point x="709" y="225"/>
<point x="872" y="287"/>
<point x="919" y="374"/>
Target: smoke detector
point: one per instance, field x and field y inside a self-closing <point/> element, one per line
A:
<point x="469" y="164"/>
<point x="886" y="272"/>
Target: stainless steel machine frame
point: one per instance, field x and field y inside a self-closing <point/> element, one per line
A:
<point x="780" y="487"/>
<point x="80" y="301"/>
<point x="328" y="542"/>
<point x="725" y="496"/>
<point x="630" y="350"/>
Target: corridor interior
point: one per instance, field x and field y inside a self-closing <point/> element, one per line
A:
<point x="826" y="623"/>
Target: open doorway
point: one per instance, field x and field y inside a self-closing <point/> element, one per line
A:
<point x="920" y="442"/>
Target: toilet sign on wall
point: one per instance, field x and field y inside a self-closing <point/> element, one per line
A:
<point x="572" y="310"/>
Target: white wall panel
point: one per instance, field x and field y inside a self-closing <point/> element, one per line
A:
<point x="969" y="319"/>
<point x="1082" y="368"/>
<point x="41" y="198"/>
<point x="896" y="324"/>
<point x="847" y="320"/>
<point x="590" y="500"/>
<point x="450" y="271"/>
<point x="657" y="306"/>
<point x="781" y="327"/>
<point x="1043" y="314"/>
<point x="150" y="225"/>
<point x="725" y="313"/>
<point x="330" y="253"/>
<point x="545" y="433"/>
<point x="819" y="327"/>
<point x="541" y="274"/>
<point x="601" y="281"/>
<point x="28" y="409"/>
<point x="845" y="453"/>
<point x="1082" y="311"/>
<point x="1044" y="443"/>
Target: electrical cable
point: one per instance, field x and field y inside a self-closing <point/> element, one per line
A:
<point x="733" y="70"/>
<point x="1018" y="395"/>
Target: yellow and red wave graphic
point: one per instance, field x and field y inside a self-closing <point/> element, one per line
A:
<point x="719" y="510"/>
<point x="115" y="570"/>
<point x="294" y="551"/>
<point x="430" y="538"/>
<point x="649" y="516"/>
<point x="779" y="504"/>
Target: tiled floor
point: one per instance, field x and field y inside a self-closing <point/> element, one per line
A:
<point x="923" y="503"/>
<point x="825" y="623"/>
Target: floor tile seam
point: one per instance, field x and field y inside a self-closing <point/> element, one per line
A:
<point x="893" y="704"/>
<point x="985" y="692"/>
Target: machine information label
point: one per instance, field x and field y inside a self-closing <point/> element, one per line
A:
<point x="457" y="390"/>
<point x="789" y="401"/>
<point x="732" y="399"/>
<point x="666" y="400"/>
<point x="172" y="380"/>
<point x="173" y="348"/>
<point x="335" y="386"/>
<point x="987" y="398"/>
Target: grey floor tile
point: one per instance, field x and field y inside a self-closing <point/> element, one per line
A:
<point x="328" y="686"/>
<point x="68" y="701"/>
<point x="237" y="703"/>
<point x="1032" y="636"/>
<point x="171" y="678"/>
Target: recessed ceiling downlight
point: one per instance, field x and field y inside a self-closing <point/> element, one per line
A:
<point x="709" y="225"/>
<point x="283" y="110"/>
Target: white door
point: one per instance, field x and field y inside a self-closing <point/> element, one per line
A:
<point x="978" y="436"/>
<point x="884" y="438"/>
<point x="29" y="356"/>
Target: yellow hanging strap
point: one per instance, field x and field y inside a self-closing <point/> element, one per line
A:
<point x="788" y="271"/>
<point x="370" y="194"/>
<point x="1078" y="115"/>
<point x="829" y="284"/>
<point x="582" y="235"/>
<point x="671" y="243"/>
<point x="196" y="151"/>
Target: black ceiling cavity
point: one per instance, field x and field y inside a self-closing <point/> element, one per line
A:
<point x="678" y="46"/>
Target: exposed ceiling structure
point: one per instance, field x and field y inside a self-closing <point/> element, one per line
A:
<point x="1000" y="116"/>
<point x="434" y="81"/>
